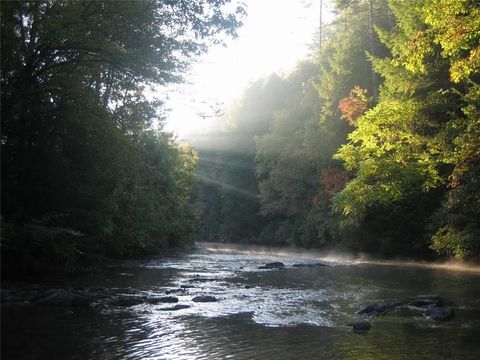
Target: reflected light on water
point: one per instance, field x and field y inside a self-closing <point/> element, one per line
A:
<point x="297" y="312"/>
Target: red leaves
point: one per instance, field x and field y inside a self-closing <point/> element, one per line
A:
<point x="355" y="104"/>
<point x="333" y="181"/>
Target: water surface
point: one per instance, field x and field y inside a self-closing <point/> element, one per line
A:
<point x="294" y="313"/>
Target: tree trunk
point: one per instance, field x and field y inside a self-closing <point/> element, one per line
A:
<point x="372" y="51"/>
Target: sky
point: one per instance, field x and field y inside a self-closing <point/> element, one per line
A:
<point x="276" y="34"/>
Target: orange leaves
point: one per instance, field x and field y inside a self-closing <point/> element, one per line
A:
<point x="355" y="104"/>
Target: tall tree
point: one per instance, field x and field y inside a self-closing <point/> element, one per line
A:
<point x="402" y="150"/>
<point x="83" y="173"/>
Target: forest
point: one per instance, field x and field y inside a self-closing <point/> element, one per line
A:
<point x="372" y="145"/>
<point x="88" y="173"/>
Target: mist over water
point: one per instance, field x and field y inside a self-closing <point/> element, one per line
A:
<point x="334" y="257"/>
<point x="296" y="312"/>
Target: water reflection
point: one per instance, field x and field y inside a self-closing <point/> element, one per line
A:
<point x="261" y="314"/>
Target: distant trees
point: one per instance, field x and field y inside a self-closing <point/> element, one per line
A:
<point x="227" y="163"/>
<point x="87" y="171"/>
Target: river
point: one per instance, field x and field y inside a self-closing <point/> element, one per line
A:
<point x="299" y="312"/>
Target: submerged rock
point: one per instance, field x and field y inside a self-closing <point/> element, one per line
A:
<point x="175" y="291"/>
<point x="163" y="299"/>
<point x="273" y="265"/>
<point x="376" y="309"/>
<point x="360" y="326"/>
<point x="187" y="287"/>
<point x="204" y="298"/>
<point x="440" y="314"/>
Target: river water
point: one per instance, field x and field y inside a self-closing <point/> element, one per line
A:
<point x="293" y="313"/>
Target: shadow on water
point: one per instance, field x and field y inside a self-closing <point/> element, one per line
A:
<point x="292" y="313"/>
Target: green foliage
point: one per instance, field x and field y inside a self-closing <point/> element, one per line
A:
<point x="460" y="244"/>
<point x="410" y="154"/>
<point x="77" y="135"/>
<point x="455" y="26"/>
<point x="41" y="241"/>
<point x="389" y="159"/>
<point x="420" y="137"/>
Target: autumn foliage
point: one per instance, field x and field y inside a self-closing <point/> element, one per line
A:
<point x="354" y="105"/>
<point x="333" y="180"/>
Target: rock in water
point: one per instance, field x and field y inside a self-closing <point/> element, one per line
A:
<point x="273" y="265"/>
<point x="440" y="314"/>
<point x="204" y="298"/>
<point x="375" y="309"/>
<point x="163" y="299"/>
<point x="361" y="326"/>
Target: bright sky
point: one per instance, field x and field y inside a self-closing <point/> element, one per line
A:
<point x="276" y="34"/>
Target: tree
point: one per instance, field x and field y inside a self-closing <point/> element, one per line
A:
<point x="83" y="173"/>
<point x="403" y="149"/>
